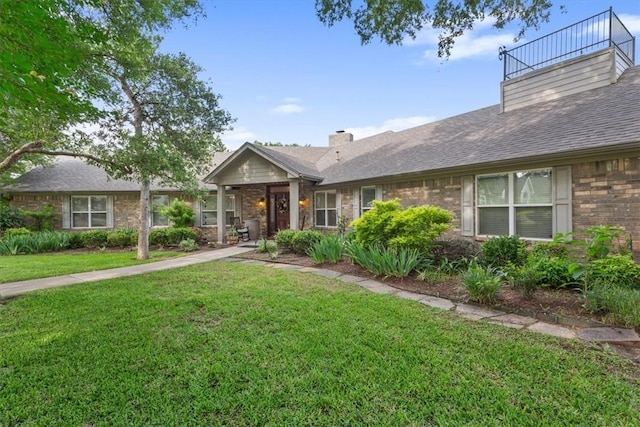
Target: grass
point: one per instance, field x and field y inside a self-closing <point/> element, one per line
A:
<point x="26" y="267"/>
<point x="228" y="344"/>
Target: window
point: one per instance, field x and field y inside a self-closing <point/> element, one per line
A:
<point x="209" y="209"/>
<point x="367" y="196"/>
<point x="519" y="203"/>
<point x="88" y="211"/>
<point x="157" y="203"/>
<point x="326" y="209"/>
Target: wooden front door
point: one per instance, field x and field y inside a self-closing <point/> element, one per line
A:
<point x="278" y="209"/>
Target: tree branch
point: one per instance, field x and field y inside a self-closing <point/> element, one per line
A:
<point x="14" y="157"/>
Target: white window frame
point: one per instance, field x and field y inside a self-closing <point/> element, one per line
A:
<point x="325" y="210"/>
<point x="511" y="204"/>
<point x="204" y="209"/>
<point x="376" y="192"/>
<point x="89" y="211"/>
<point x="155" y="206"/>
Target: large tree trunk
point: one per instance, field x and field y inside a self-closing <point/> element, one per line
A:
<point x="143" y="229"/>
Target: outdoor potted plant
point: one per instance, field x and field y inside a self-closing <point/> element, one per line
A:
<point x="232" y="237"/>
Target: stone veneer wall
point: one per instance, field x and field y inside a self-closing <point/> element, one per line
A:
<point x="608" y="192"/>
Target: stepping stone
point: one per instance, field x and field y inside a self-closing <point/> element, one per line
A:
<point x="351" y="279"/>
<point x="608" y="334"/>
<point x="554" y="330"/>
<point x="513" y="321"/>
<point x="326" y="273"/>
<point x="377" y="287"/>
<point x="309" y="270"/>
<point x="436" y="302"/>
<point x="410" y="295"/>
<point x="474" y="312"/>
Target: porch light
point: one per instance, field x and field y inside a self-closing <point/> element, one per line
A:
<point x="261" y="203"/>
<point x="302" y="201"/>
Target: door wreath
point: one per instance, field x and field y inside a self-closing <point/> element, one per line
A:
<point x="283" y="206"/>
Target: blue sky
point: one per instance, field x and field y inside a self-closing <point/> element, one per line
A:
<point x="287" y="78"/>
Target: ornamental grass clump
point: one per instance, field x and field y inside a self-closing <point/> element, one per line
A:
<point x="386" y="262"/>
<point x="330" y="248"/>
<point x="482" y="283"/>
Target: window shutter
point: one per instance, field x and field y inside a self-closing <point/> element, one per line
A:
<point x="66" y="212"/>
<point x="562" y="212"/>
<point x="338" y="204"/>
<point x="466" y="217"/>
<point x="356" y="203"/>
<point x="379" y="192"/>
<point x="110" y="212"/>
<point x="197" y="209"/>
<point x="237" y="206"/>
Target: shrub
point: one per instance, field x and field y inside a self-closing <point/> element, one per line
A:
<point x="329" y="248"/>
<point x="389" y="225"/>
<point x="482" y="283"/>
<point x="387" y="262"/>
<point x="121" y="238"/>
<point x="10" y="218"/>
<point x="305" y="239"/>
<point x="556" y="248"/>
<point x="623" y="305"/>
<point x="454" y="250"/>
<point x="16" y="232"/>
<point x="553" y="272"/>
<point x="500" y="251"/>
<point x="176" y="235"/>
<point x="601" y="240"/>
<point x="43" y="218"/>
<point x="527" y="278"/>
<point x="284" y="239"/>
<point x="188" y="245"/>
<point x="75" y="240"/>
<point x="158" y="237"/>
<point x="94" y="238"/>
<point x="179" y="213"/>
<point x="615" y="271"/>
<point x="266" y="246"/>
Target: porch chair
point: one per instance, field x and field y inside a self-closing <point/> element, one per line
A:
<point x="243" y="232"/>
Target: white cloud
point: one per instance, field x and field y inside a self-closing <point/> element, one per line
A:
<point x="237" y="137"/>
<point x="397" y="124"/>
<point x="288" y="109"/>
<point x="632" y="22"/>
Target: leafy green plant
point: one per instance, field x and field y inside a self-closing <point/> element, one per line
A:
<point x="500" y="251"/>
<point x="188" y="245"/>
<point x="329" y="248"/>
<point x="16" y="232"/>
<point x="553" y="272"/>
<point x="387" y="262"/>
<point x="10" y="218"/>
<point x="527" y="278"/>
<point x="75" y="240"/>
<point x="158" y="237"/>
<point x="615" y="271"/>
<point x="601" y="241"/>
<point x="43" y="218"/>
<point x="430" y="275"/>
<point x="175" y="235"/>
<point x="94" y="238"/>
<point x="388" y="225"/>
<point x="122" y="238"/>
<point x="266" y="246"/>
<point x="482" y="283"/>
<point x="33" y="243"/>
<point x="179" y="213"/>
<point x="284" y="239"/>
<point x="305" y="239"/>
<point x="454" y="250"/>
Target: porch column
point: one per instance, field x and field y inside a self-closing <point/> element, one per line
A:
<point x="294" y="207"/>
<point x="221" y="213"/>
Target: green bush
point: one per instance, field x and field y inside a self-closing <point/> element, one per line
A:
<point x="188" y="245"/>
<point x="329" y="248"/>
<point x="158" y="237"/>
<point x="622" y="305"/>
<point x="266" y="246"/>
<point x="122" y="238"/>
<point x="556" y="248"/>
<point x="387" y="224"/>
<point x="16" y="232"/>
<point x="554" y="272"/>
<point x="386" y="262"/>
<point x="179" y="213"/>
<point x="527" y="278"/>
<point x="482" y="283"/>
<point x="504" y="250"/>
<point x="43" y="218"/>
<point x="176" y="235"/>
<point x="94" y="238"/>
<point x="284" y="239"/>
<point x="615" y="271"/>
<point x="305" y="239"/>
<point x="75" y="240"/>
<point x="10" y="218"/>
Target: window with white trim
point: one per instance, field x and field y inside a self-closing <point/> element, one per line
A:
<point x="88" y="211"/>
<point x="159" y="201"/>
<point x="367" y="196"/>
<point x="326" y="209"/>
<point x="516" y="203"/>
<point x="209" y="209"/>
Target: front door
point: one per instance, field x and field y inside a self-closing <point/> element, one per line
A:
<point x="278" y="208"/>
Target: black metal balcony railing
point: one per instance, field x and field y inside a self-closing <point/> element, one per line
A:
<point x="600" y="31"/>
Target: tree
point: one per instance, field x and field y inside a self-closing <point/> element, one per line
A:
<point x="161" y="122"/>
<point x="278" y="144"/>
<point x="394" y="20"/>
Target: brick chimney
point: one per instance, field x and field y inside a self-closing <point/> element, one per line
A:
<point x="339" y="138"/>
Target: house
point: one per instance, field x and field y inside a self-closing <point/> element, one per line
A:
<point x="560" y="153"/>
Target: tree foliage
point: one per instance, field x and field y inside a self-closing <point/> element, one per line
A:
<point x="392" y="21"/>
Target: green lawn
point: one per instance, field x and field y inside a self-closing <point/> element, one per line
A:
<point x="228" y="344"/>
<point x="26" y="267"/>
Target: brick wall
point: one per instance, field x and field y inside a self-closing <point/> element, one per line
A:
<point x="35" y="202"/>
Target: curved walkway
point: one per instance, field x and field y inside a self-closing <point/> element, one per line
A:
<point x="473" y="312"/>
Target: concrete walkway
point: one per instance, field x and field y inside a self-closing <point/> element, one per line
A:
<point x="469" y="311"/>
